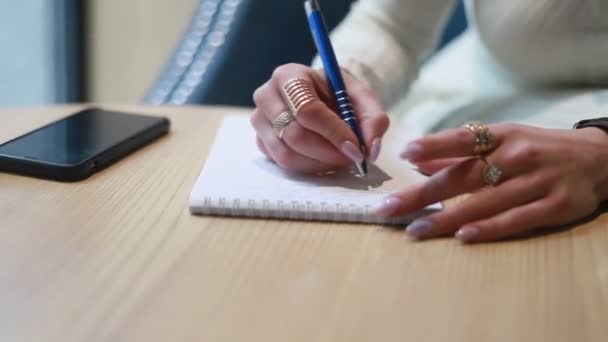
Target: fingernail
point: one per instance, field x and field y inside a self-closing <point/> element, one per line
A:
<point x="390" y="205"/>
<point x="467" y="234"/>
<point x="419" y="228"/>
<point x="352" y="152"/>
<point x="375" y="149"/>
<point x="412" y="151"/>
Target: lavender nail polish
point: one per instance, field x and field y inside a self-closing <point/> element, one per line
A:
<point x="467" y="234"/>
<point x="352" y="152"/>
<point x="412" y="151"/>
<point x="390" y="205"/>
<point x="419" y="228"/>
<point x="375" y="149"/>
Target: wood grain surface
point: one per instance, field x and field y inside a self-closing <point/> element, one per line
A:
<point x="118" y="257"/>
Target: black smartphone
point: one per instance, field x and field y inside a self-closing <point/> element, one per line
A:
<point x="79" y="145"/>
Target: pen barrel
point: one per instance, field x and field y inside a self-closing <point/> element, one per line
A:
<point x="332" y="70"/>
<point x="345" y="109"/>
<point x="326" y="52"/>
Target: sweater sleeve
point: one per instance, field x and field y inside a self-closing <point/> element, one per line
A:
<point x="384" y="42"/>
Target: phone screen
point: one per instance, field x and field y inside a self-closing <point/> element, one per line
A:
<point x="78" y="137"/>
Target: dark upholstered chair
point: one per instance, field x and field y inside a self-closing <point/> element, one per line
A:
<point x="232" y="46"/>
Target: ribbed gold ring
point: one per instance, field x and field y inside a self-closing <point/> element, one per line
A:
<point x="484" y="140"/>
<point x="298" y="92"/>
<point x="281" y="122"/>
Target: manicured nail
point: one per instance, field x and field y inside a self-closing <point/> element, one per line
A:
<point x="390" y="205"/>
<point x="412" y="151"/>
<point x="467" y="234"/>
<point x="375" y="149"/>
<point x="352" y="152"/>
<point x="419" y="228"/>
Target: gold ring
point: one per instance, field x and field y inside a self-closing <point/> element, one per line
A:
<point x="492" y="174"/>
<point x="298" y="92"/>
<point x="281" y="122"/>
<point x="484" y="140"/>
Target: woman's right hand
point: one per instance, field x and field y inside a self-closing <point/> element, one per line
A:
<point x="318" y="140"/>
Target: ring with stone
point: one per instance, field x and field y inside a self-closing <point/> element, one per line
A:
<point x="492" y="174"/>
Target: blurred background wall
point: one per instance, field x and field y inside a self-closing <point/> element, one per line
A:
<point x="156" y="51"/>
<point x="55" y="51"/>
<point x="128" y="41"/>
<point x="40" y="51"/>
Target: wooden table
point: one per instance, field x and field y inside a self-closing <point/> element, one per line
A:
<point x="119" y="258"/>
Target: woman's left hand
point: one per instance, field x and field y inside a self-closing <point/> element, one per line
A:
<point x="549" y="177"/>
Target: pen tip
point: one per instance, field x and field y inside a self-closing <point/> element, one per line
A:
<point x="362" y="168"/>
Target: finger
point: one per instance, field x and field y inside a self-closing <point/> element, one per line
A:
<point x="464" y="177"/>
<point x="513" y="222"/>
<point x="457" y="142"/>
<point x="262" y="148"/>
<point x="316" y="116"/>
<point x="282" y="154"/>
<point x="312" y="145"/>
<point x="557" y="208"/>
<point x="482" y="205"/>
<point x="305" y="142"/>
<point x="431" y="167"/>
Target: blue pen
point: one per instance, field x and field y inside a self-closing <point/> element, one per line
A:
<point x="332" y="70"/>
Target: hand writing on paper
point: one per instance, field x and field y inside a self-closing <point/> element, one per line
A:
<point x="317" y="140"/>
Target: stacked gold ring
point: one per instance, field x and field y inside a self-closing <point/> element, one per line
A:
<point x="484" y="140"/>
<point x="298" y="92"/>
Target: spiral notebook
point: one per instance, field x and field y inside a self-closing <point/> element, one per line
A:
<point x="238" y="180"/>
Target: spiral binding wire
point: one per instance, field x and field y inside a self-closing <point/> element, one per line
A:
<point x="293" y="210"/>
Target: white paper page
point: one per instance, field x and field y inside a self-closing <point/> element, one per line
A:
<point x="236" y="170"/>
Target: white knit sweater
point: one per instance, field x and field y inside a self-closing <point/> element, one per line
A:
<point x="548" y="42"/>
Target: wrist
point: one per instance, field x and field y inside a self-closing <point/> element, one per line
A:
<point x="600" y="138"/>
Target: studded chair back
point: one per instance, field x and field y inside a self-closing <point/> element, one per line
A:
<point x="232" y="46"/>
